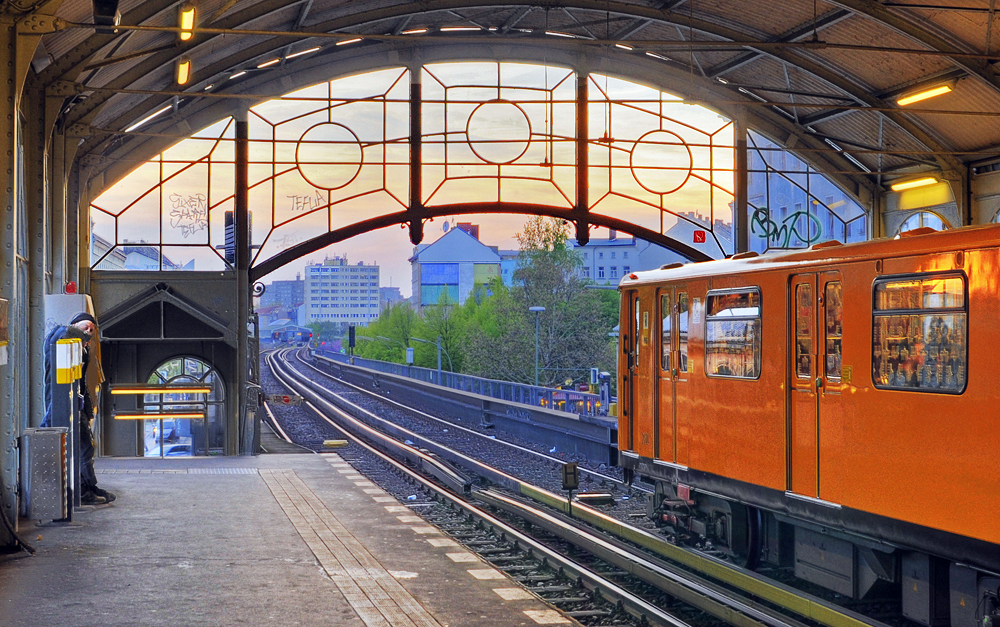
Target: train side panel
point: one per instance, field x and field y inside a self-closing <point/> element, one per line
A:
<point x="919" y="456"/>
<point x="719" y="415"/>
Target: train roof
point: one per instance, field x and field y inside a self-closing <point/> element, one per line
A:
<point x="921" y="241"/>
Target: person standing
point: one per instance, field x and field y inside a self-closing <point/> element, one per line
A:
<point x="82" y="327"/>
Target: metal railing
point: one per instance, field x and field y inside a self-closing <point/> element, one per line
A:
<point x="582" y="403"/>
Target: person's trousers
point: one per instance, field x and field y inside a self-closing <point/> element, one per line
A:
<point x="88" y="478"/>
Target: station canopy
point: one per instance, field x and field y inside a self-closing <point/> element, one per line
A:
<point x="822" y="90"/>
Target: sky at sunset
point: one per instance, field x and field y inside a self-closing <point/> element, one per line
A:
<point x="336" y="153"/>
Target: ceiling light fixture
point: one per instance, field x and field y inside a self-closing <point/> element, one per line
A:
<point x="237" y="75"/>
<point x="911" y="184"/>
<point x="348" y="41"/>
<point x="623" y="46"/>
<point x="106" y="14"/>
<point x="302" y="52"/>
<point x="919" y="96"/>
<point x="458" y="29"/>
<point x="183" y="73"/>
<point x="414" y="31"/>
<point x="268" y="63"/>
<point x="556" y="33"/>
<point x="149" y="117"/>
<point x="185" y="18"/>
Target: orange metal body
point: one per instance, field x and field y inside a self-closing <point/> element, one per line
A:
<point x="920" y="457"/>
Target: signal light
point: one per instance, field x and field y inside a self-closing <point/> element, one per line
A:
<point x="186" y="17"/>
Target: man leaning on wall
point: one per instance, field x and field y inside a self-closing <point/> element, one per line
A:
<point x="83" y="326"/>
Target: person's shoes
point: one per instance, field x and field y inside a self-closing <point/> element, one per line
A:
<point x="89" y="498"/>
<point x="104" y="494"/>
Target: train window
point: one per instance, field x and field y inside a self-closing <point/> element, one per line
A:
<point x="803" y="330"/>
<point x="682" y="330"/>
<point x="665" y="340"/>
<point x="732" y="334"/>
<point x="834" y="329"/>
<point x="919" y="336"/>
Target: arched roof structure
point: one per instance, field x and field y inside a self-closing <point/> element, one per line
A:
<point x="818" y="77"/>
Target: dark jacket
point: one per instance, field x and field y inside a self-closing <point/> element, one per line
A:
<point x="65" y="333"/>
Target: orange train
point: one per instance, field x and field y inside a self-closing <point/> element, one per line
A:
<point x="835" y="410"/>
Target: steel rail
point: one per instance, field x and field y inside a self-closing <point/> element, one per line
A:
<point x="451" y="425"/>
<point x="449" y="476"/>
<point x="785" y="597"/>
<point x="634" y="605"/>
<point x="677" y="582"/>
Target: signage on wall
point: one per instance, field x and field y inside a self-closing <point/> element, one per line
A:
<point x="699" y="237"/>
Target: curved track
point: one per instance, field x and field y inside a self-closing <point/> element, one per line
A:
<point x="520" y="498"/>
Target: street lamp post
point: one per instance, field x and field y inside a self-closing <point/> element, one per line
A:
<point x="538" y="312"/>
<point x="451" y="366"/>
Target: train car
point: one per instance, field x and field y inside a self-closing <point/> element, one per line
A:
<point x="834" y="410"/>
<point x="291" y="334"/>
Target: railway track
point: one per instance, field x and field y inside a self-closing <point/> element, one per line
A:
<point x="642" y="574"/>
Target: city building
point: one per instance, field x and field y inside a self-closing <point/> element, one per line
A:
<point x="146" y="257"/>
<point x="453" y="265"/>
<point x="508" y="263"/>
<point x="389" y="296"/>
<point x="336" y="291"/>
<point x="284" y="293"/>
<point x="606" y="261"/>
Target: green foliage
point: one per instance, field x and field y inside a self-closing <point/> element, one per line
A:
<point x="388" y="337"/>
<point x="572" y="331"/>
<point x="492" y="334"/>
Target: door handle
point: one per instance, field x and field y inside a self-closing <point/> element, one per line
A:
<point x="675" y="372"/>
<point x="819" y="382"/>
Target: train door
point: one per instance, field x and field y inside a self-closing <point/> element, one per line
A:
<point x="628" y="346"/>
<point x="673" y="368"/>
<point x="641" y="376"/>
<point x="814" y="372"/>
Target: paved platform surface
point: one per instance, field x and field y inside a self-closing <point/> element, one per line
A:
<point x="269" y="540"/>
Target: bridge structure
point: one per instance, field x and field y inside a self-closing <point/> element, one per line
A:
<point x="224" y="148"/>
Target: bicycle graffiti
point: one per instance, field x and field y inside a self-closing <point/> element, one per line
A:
<point x="779" y="235"/>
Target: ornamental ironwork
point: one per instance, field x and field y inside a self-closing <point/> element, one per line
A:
<point x="484" y="137"/>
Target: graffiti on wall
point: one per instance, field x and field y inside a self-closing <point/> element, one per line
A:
<point x="801" y="225"/>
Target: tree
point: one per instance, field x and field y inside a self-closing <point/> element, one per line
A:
<point x="395" y="325"/>
<point x="573" y="329"/>
<point x="441" y="320"/>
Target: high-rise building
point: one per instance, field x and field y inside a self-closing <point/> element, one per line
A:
<point x="336" y="291"/>
<point x="284" y="294"/>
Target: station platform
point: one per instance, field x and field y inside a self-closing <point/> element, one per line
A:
<point x="281" y="539"/>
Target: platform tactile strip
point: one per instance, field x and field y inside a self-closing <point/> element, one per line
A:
<point x="376" y="596"/>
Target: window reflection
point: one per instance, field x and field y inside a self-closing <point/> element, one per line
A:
<point x="732" y="343"/>
<point x="919" y="337"/>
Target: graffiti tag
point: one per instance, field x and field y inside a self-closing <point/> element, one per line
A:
<point x="287" y="241"/>
<point x="307" y="203"/>
<point x="189" y="213"/>
<point x="779" y="235"/>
